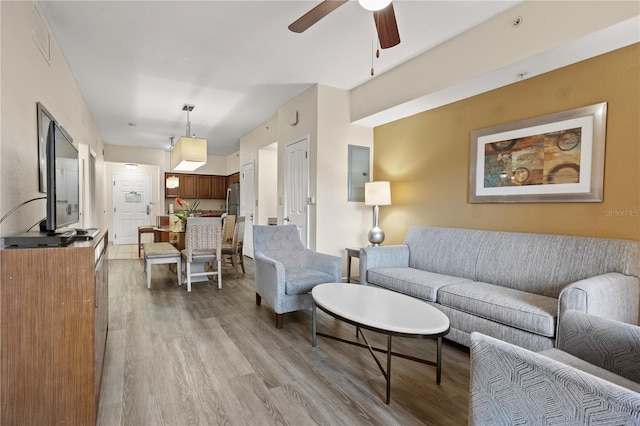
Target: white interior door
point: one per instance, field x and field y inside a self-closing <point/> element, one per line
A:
<point x="296" y="187"/>
<point x="131" y="206"/>
<point x="247" y="205"/>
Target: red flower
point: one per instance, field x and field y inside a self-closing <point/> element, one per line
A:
<point x="179" y="201"/>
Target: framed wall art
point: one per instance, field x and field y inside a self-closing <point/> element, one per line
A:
<point x="553" y="158"/>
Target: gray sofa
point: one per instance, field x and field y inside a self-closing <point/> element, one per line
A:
<point x="511" y="286"/>
<point x="592" y="377"/>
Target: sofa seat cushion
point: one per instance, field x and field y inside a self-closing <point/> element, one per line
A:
<point x="587" y="367"/>
<point x="527" y="311"/>
<point x="300" y="281"/>
<point x="410" y="281"/>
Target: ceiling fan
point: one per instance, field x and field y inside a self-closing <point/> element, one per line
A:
<point x="383" y="15"/>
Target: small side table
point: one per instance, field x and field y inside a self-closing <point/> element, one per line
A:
<point x="351" y="252"/>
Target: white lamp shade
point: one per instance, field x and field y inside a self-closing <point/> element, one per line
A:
<point x="189" y="154"/>
<point x="374" y="5"/>
<point x="377" y="193"/>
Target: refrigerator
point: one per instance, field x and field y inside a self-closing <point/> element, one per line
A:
<point x="233" y="199"/>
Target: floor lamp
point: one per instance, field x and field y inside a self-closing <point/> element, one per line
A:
<point x="376" y="194"/>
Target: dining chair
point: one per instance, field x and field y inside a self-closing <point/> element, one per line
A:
<point x="228" y="227"/>
<point x="233" y="250"/>
<point x="203" y="243"/>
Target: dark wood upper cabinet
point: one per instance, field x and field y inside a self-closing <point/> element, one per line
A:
<point x="234" y="178"/>
<point x="204" y="186"/>
<point x="171" y="192"/>
<point x="188" y="186"/>
<point x="200" y="186"/>
<point x="219" y="187"/>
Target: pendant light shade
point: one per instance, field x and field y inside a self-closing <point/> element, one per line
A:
<point x="172" y="182"/>
<point x="188" y="154"/>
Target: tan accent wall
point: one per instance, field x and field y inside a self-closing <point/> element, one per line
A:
<point x="426" y="156"/>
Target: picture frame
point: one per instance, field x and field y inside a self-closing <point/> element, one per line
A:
<point x="44" y="118"/>
<point x="553" y="158"/>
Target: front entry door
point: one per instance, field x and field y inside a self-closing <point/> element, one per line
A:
<point x="296" y="187"/>
<point x="131" y="206"/>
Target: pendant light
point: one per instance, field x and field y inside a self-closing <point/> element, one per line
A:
<point x="189" y="153"/>
<point x="172" y="181"/>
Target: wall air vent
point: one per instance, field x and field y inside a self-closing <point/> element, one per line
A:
<point x="41" y="33"/>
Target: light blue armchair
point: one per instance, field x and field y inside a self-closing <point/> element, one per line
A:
<point x="285" y="271"/>
<point x="591" y="377"/>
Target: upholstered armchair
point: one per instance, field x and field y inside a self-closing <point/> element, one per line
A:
<point x="286" y="271"/>
<point x="591" y="377"/>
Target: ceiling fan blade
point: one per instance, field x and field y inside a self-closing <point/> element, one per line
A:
<point x="315" y="14"/>
<point x="387" y="27"/>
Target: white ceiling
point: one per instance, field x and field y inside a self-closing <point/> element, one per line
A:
<point x="236" y="61"/>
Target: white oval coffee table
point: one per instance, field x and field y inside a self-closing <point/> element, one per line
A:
<point x="382" y="311"/>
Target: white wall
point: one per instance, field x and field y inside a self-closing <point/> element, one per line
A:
<point x="251" y="145"/>
<point x="306" y="106"/>
<point x="323" y="114"/>
<point x="26" y="78"/>
<point x="340" y="223"/>
<point x="267" y="196"/>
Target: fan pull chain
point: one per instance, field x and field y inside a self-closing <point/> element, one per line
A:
<point x="372" y="49"/>
<point x="375" y="45"/>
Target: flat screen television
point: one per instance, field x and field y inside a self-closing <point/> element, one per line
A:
<point x="63" y="172"/>
<point x="63" y="194"/>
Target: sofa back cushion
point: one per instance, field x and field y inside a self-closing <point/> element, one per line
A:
<point x="544" y="264"/>
<point x="536" y="263"/>
<point x="446" y="251"/>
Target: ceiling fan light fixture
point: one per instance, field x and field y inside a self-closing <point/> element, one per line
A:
<point x="374" y="5"/>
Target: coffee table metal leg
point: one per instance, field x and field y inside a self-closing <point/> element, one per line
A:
<point x="388" y="369"/>
<point x="439" y="360"/>
<point x="314" y="342"/>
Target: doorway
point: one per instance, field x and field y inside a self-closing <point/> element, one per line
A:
<point x="296" y="186"/>
<point x="131" y="206"/>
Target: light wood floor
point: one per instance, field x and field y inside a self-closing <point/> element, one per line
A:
<point x="214" y="357"/>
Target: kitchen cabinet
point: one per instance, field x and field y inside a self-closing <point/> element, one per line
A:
<point x="234" y="178"/>
<point x="54" y="316"/>
<point x="188" y="186"/>
<point x="171" y="192"/>
<point x="193" y="186"/>
<point x="205" y="189"/>
<point x="219" y="187"/>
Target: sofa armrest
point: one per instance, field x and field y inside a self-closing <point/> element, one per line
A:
<point x="612" y="295"/>
<point x="609" y="344"/>
<point x="512" y="385"/>
<point x="269" y="277"/>
<point x="326" y="263"/>
<point x="396" y="256"/>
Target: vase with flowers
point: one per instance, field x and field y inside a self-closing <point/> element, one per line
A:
<point x="188" y="210"/>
